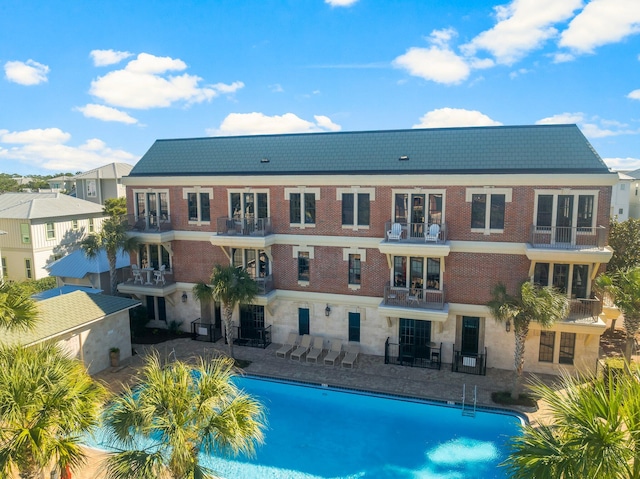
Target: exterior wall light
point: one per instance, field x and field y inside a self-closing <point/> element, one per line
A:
<point x="507" y="326"/>
<point x="184" y="297"/>
<point x="327" y="310"/>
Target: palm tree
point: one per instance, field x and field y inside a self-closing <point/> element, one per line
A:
<point x="112" y="238"/>
<point x="593" y="431"/>
<point x="17" y="309"/>
<point x="47" y="402"/>
<point x="185" y="412"/>
<point x="204" y="295"/>
<point x="624" y="287"/>
<point x="231" y="286"/>
<point x="533" y="303"/>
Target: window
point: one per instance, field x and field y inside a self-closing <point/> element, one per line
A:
<point x="25" y="233"/>
<point x="51" y="231"/>
<point x="491" y="206"/>
<point x="27" y="268"/>
<point x="5" y="272"/>
<point x="92" y="190"/>
<point x="566" y="211"/>
<point x="585" y="211"/>
<point x="623" y="187"/>
<point x="354" y="269"/>
<point x="303" y="321"/>
<point x="620" y="211"/>
<point x="559" y="274"/>
<point x="74" y="224"/>
<point x="303" y="266"/>
<point x="547" y="342"/>
<point x="199" y="207"/>
<point x="355" y="214"/>
<point x="299" y="213"/>
<point x="256" y="262"/>
<point x="354" y="327"/>
<point x="153" y="256"/>
<point x="248" y="205"/>
<point x="567" y="348"/>
<point x="410" y="271"/>
<point x="91" y="225"/>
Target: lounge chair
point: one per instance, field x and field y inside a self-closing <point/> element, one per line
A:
<point x="303" y="349"/>
<point x="137" y="274"/>
<point x="290" y="345"/>
<point x="350" y="357"/>
<point x="316" y="350"/>
<point x="395" y="233"/>
<point x="334" y="352"/>
<point x="432" y="234"/>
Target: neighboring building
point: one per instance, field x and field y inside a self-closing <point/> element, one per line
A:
<point x="102" y="183"/>
<point x="98" y="323"/>
<point x="42" y="227"/>
<point x="389" y="239"/>
<point x="62" y="184"/>
<point x="621" y="198"/>
<point x="77" y="269"/>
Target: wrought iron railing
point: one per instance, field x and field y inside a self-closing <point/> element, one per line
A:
<point x="265" y="284"/>
<point x="429" y="233"/>
<point x="253" y="337"/>
<point x="422" y="298"/>
<point x="429" y="356"/>
<point x="226" y="226"/>
<point x="205" y="331"/>
<point x="469" y="363"/>
<point x="149" y="223"/>
<point x="584" y="310"/>
<point x="565" y="237"/>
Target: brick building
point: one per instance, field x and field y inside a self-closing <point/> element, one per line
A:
<point x="392" y="239"/>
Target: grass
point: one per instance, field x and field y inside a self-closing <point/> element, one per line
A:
<point x="504" y="398"/>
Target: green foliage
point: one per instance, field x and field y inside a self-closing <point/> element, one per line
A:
<point x="193" y="410"/>
<point x="505" y="398"/>
<point x="116" y="207"/>
<point x="593" y="431"/>
<point x="47" y="401"/>
<point x="624" y="239"/>
<point x="8" y="184"/>
<point x="174" y="327"/>
<point x="34" y="286"/>
<point x="17" y="310"/>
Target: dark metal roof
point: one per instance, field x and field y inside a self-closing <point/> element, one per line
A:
<point x="499" y="150"/>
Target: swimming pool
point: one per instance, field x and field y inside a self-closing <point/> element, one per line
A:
<point x="319" y="432"/>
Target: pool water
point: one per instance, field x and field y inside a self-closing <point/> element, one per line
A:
<point x="317" y="432"/>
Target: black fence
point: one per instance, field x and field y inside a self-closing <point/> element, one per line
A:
<point x="205" y="331"/>
<point x="253" y="337"/>
<point x="469" y="363"/>
<point x="411" y="355"/>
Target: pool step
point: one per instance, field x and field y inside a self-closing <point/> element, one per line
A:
<point x="467" y="409"/>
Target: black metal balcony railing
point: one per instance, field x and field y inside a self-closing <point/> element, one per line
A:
<point x="146" y="277"/>
<point x="149" y="223"/>
<point x="226" y="226"/>
<point x="403" y="232"/>
<point x="469" y="363"/>
<point x="265" y="284"/>
<point x="565" y="237"/>
<point x="421" y="356"/>
<point x="584" y="310"/>
<point x="205" y="331"/>
<point x="253" y="337"/>
<point x="422" y="298"/>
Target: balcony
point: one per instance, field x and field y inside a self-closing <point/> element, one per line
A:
<point x="428" y="233"/>
<point x="421" y="298"/>
<point x="226" y="226"/>
<point x="150" y="223"/>
<point x="148" y="282"/>
<point x="584" y="311"/>
<point x="568" y="238"/>
<point x="265" y="284"/>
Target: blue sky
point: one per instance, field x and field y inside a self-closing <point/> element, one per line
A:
<point x="84" y="84"/>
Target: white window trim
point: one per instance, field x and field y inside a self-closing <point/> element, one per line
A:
<point x="489" y="190"/>
<point x="185" y="195"/>
<point x="53" y="230"/>
<point x="566" y="192"/>
<point x="552" y="265"/>
<point x="355" y="190"/>
<point x="419" y="191"/>
<point x="363" y="258"/>
<point x="302" y="190"/>
<point x="303" y="249"/>
<point x="146" y="204"/>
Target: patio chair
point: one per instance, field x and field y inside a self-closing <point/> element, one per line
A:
<point x="303" y="349"/>
<point x="432" y="234"/>
<point x="335" y="350"/>
<point x="351" y="355"/>
<point x="286" y="348"/>
<point x="316" y="350"/>
<point x="137" y="274"/>
<point x="395" y="233"/>
<point x="159" y="274"/>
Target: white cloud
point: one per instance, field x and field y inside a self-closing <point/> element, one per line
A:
<point x="623" y="164"/>
<point x="601" y="22"/>
<point x="634" y="95"/>
<point x="258" y="124"/>
<point x="523" y="25"/>
<point x="103" y="58"/>
<point x="436" y="63"/>
<point x="518" y="72"/>
<point x="26" y="73"/>
<point x="561" y="57"/>
<point x="276" y="88"/>
<point x="340" y="3"/>
<point x="47" y="149"/>
<point x="144" y="83"/>
<point x="223" y="88"/>
<point x="562" y="119"/>
<point x="447" y="117"/>
<point x="106" y="113"/>
<point x="593" y="127"/>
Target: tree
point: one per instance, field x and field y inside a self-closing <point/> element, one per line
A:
<point x="47" y="402"/>
<point x="185" y="412"/>
<point x="593" y="431"/>
<point x="623" y="286"/>
<point x="17" y="310"/>
<point x="112" y="238"/>
<point x="532" y="304"/>
<point x="624" y="239"/>
<point x="230" y="286"/>
<point x="203" y="294"/>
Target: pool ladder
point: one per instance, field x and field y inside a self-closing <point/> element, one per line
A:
<point x="466" y="411"/>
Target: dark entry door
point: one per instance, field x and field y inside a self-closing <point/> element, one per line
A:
<point x="470" y="335"/>
<point x="564" y="219"/>
<point x="415" y="336"/>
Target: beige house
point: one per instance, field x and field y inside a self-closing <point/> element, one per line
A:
<point x="98" y="323"/>
<point x="102" y="183"/>
<point x="42" y="227"/>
